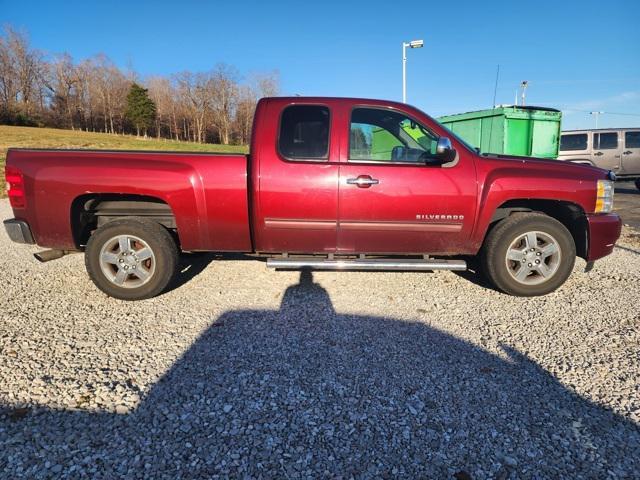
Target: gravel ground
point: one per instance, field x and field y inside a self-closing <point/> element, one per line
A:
<point x="246" y="373"/>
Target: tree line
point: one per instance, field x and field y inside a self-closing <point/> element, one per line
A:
<point x="38" y="89"/>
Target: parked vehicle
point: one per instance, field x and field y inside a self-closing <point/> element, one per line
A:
<point x="319" y="190"/>
<point x="615" y="149"/>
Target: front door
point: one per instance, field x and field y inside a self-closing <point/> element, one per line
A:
<point x="391" y="200"/>
<point x="606" y="150"/>
<point x="631" y="153"/>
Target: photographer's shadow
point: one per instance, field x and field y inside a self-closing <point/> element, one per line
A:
<point x="306" y="391"/>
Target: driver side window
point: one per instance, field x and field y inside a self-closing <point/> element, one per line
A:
<point x="387" y="136"/>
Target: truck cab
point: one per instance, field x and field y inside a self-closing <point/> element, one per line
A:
<point x="357" y="177"/>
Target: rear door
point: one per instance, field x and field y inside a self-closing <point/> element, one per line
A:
<point x="390" y="201"/>
<point x="297" y="180"/>
<point x="631" y="153"/>
<point x="607" y="150"/>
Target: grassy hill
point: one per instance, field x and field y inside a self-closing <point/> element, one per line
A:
<point x="54" y="138"/>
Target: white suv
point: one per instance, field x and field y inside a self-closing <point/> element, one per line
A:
<point x="615" y="149"/>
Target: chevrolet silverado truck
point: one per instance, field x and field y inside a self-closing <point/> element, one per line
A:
<point x="331" y="184"/>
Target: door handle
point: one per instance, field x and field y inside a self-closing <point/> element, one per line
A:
<point x="628" y="152"/>
<point x="363" y="181"/>
<point x="598" y="153"/>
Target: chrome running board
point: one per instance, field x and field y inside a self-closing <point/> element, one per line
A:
<point x="409" y="265"/>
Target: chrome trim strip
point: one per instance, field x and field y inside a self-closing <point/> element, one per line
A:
<point x="401" y="226"/>
<point x="300" y="224"/>
<point x="362" y="225"/>
<point x="365" y="264"/>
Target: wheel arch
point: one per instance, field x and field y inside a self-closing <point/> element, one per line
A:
<point x="91" y="211"/>
<point x="569" y="214"/>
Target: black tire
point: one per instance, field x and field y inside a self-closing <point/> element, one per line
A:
<point x="549" y="235"/>
<point x="160" y="267"/>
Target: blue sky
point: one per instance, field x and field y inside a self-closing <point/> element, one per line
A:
<point x="577" y="55"/>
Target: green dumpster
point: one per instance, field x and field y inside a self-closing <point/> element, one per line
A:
<point x="510" y="130"/>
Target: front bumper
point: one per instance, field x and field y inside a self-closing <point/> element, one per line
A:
<point x="19" y="231"/>
<point x="604" y="231"/>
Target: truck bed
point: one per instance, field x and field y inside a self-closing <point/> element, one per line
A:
<point x="205" y="192"/>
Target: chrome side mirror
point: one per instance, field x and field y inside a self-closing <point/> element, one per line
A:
<point x="444" y="150"/>
<point x="444" y="144"/>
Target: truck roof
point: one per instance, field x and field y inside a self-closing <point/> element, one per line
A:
<point x="330" y="100"/>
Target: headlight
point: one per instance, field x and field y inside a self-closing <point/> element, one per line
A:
<point x="604" y="197"/>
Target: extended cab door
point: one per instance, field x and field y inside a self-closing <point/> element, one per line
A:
<point x="390" y="199"/>
<point x="294" y="178"/>
<point x="607" y="150"/>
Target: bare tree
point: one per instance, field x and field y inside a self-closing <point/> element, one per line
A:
<point x="259" y="85"/>
<point x="165" y="96"/>
<point x="222" y="89"/>
<point x="63" y="82"/>
<point x="8" y="80"/>
<point x="194" y="95"/>
<point x="21" y="71"/>
<point x="91" y="95"/>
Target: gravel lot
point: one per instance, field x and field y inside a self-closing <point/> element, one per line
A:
<point x="246" y="373"/>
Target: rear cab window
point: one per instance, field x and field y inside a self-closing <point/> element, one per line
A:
<point x="304" y="133"/>
<point x="573" y="141"/>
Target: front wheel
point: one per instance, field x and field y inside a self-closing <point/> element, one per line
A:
<point x="131" y="259"/>
<point x="528" y="254"/>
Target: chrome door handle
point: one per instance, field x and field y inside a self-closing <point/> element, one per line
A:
<point x="363" y="181"/>
<point x="598" y="153"/>
<point x="628" y="152"/>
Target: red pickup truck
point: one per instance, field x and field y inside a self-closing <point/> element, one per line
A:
<point x="330" y="183"/>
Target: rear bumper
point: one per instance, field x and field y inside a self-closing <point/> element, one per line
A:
<point x="604" y="231"/>
<point x="19" y="231"/>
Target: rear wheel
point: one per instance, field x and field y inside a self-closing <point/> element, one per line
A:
<point x="131" y="259"/>
<point x="528" y="254"/>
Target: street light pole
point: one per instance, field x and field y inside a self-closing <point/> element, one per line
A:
<point x="596" y="114"/>
<point x="524" y="86"/>
<point x="411" y="44"/>
<point x="404" y="72"/>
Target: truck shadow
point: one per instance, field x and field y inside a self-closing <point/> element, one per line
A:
<point x="305" y="391"/>
<point x="190" y="266"/>
<point x="193" y="264"/>
<point x="474" y="274"/>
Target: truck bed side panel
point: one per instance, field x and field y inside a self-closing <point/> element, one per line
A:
<point x="207" y="193"/>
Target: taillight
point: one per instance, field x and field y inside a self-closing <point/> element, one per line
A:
<point x="15" y="186"/>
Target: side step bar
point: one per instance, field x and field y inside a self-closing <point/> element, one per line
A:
<point x="409" y="265"/>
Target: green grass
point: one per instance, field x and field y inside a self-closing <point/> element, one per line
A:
<point x="29" y="137"/>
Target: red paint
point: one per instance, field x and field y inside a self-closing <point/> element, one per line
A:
<point x="207" y="193"/>
<point x="604" y="231"/>
<point x="307" y="207"/>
